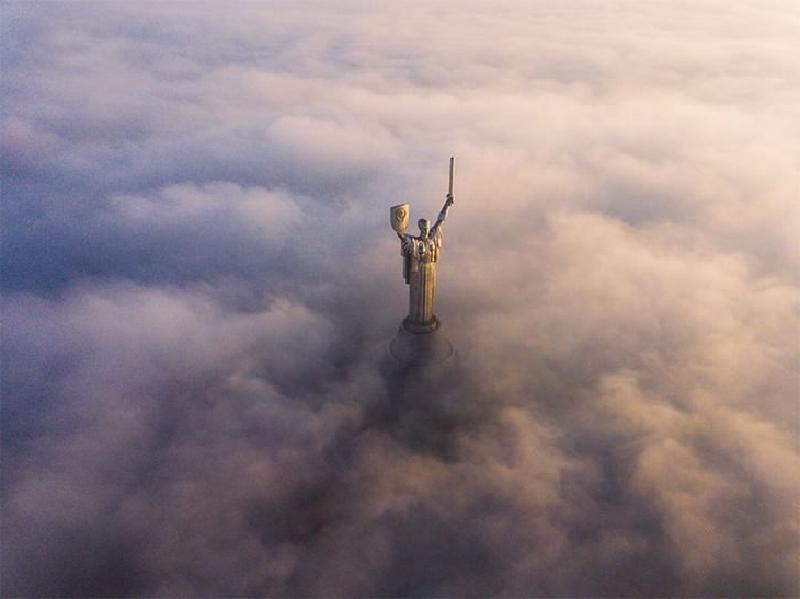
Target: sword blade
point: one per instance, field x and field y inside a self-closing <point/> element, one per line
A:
<point x="450" y="187"/>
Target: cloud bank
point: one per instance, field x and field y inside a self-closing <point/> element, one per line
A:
<point x="199" y="280"/>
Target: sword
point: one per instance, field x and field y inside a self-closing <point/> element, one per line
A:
<point x="450" y="187"/>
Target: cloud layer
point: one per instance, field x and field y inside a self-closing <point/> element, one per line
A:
<point x="199" y="280"/>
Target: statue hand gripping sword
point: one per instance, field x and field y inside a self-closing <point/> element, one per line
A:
<point x="420" y="255"/>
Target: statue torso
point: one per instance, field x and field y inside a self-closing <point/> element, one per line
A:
<point x="423" y="250"/>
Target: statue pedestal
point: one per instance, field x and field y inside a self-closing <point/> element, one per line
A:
<point x="422" y="378"/>
<point x="421" y="345"/>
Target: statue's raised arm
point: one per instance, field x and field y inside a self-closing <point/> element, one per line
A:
<point x="442" y="213"/>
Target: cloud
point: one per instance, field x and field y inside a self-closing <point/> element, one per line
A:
<point x="199" y="282"/>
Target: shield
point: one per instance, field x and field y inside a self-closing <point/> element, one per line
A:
<point x="399" y="217"/>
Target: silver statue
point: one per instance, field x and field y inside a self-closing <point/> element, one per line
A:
<point x="420" y="255"/>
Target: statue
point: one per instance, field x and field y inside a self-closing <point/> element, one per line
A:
<point x="420" y="255"/>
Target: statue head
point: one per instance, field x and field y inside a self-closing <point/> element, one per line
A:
<point x="424" y="227"/>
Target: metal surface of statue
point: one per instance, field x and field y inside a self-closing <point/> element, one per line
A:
<point x="420" y="255"/>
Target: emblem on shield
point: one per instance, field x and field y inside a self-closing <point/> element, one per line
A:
<point x="399" y="216"/>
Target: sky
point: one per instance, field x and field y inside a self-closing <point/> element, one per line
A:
<point x="199" y="281"/>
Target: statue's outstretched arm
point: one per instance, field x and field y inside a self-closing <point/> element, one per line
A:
<point x="443" y="212"/>
<point x="405" y="243"/>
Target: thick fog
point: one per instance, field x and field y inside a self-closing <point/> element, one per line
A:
<point x="199" y="281"/>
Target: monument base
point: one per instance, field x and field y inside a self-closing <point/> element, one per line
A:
<point x="426" y="399"/>
<point x="420" y="327"/>
<point x="420" y="344"/>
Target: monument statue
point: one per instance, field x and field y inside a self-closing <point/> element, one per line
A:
<point x="420" y="255"/>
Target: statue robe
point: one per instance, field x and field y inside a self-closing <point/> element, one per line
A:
<point x="419" y="271"/>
